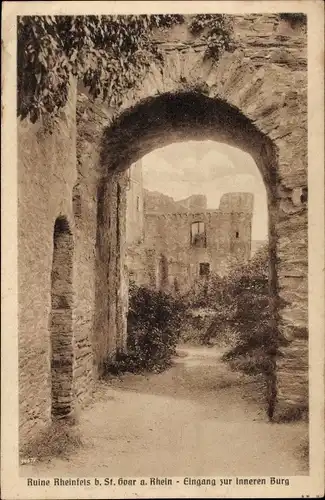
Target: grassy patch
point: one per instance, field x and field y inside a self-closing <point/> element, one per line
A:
<point x="58" y="440"/>
<point x="293" y="414"/>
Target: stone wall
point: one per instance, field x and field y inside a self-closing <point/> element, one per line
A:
<point x="90" y="122"/>
<point x="60" y="176"/>
<point x="101" y="243"/>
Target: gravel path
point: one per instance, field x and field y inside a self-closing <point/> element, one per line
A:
<point x="191" y="420"/>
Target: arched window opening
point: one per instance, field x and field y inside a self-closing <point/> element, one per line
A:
<point x="61" y="319"/>
<point x="198" y="234"/>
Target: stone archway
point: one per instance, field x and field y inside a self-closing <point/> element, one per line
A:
<point x="235" y="104"/>
<point x="254" y="99"/>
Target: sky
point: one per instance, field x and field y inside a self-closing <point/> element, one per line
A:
<point x="183" y="169"/>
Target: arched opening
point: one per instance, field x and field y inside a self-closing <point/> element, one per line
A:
<point x="61" y="320"/>
<point x="192" y="116"/>
<point x="206" y="208"/>
<point x="204" y="202"/>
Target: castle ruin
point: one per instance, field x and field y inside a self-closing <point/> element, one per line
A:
<point x="175" y="244"/>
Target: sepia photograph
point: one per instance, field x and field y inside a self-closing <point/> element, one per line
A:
<point x="163" y="251"/>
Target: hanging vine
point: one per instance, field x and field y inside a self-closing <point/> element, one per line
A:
<point x="109" y="54"/>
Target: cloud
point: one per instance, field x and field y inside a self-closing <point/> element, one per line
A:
<point x="182" y="169"/>
<point x="198" y="161"/>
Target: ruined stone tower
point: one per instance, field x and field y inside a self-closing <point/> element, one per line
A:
<point x="188" y="242"/>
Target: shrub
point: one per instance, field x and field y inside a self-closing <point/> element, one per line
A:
<point x="199" y="327"/>
<point x="242" y="304"/>
<point x="249" y="311"/>
<point x="293" y="414"/>
<point x="206" y="293"/>
<point x="194" y="326"/>
<point x="303" y="449"/>
<point x="154" y="322"/>
<point x="109" y="54"/>
<point x="294" y="18"/>
<point x="251" y="316"/>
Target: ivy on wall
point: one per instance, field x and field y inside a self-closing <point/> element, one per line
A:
<point x="294" y="18"/>
<point x="109" y="54"/>
<point x="217" y="32"/>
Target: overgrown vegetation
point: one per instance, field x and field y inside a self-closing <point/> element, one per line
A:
<point x="195" y="325"/>
<point x="154" y="323"/>
<point x="294" y="414"/>
<point x="109" y="54"/>
<point x="248" y="310"/>
<point x="241" y="302"/>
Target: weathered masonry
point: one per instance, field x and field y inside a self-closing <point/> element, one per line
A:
<point x="72" y="195"/>
<point x="191" y="245"/>
<point x="171" y="251"/>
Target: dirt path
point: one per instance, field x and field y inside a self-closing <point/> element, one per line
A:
<point x="190" y="420"/>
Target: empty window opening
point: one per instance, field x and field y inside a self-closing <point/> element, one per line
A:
<point x="138" y="203"/>
<point x="61" y="320"/>
<point x="237" y="234"/>
<point x="198" y="234"/>
<point x="204" y="269"/>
